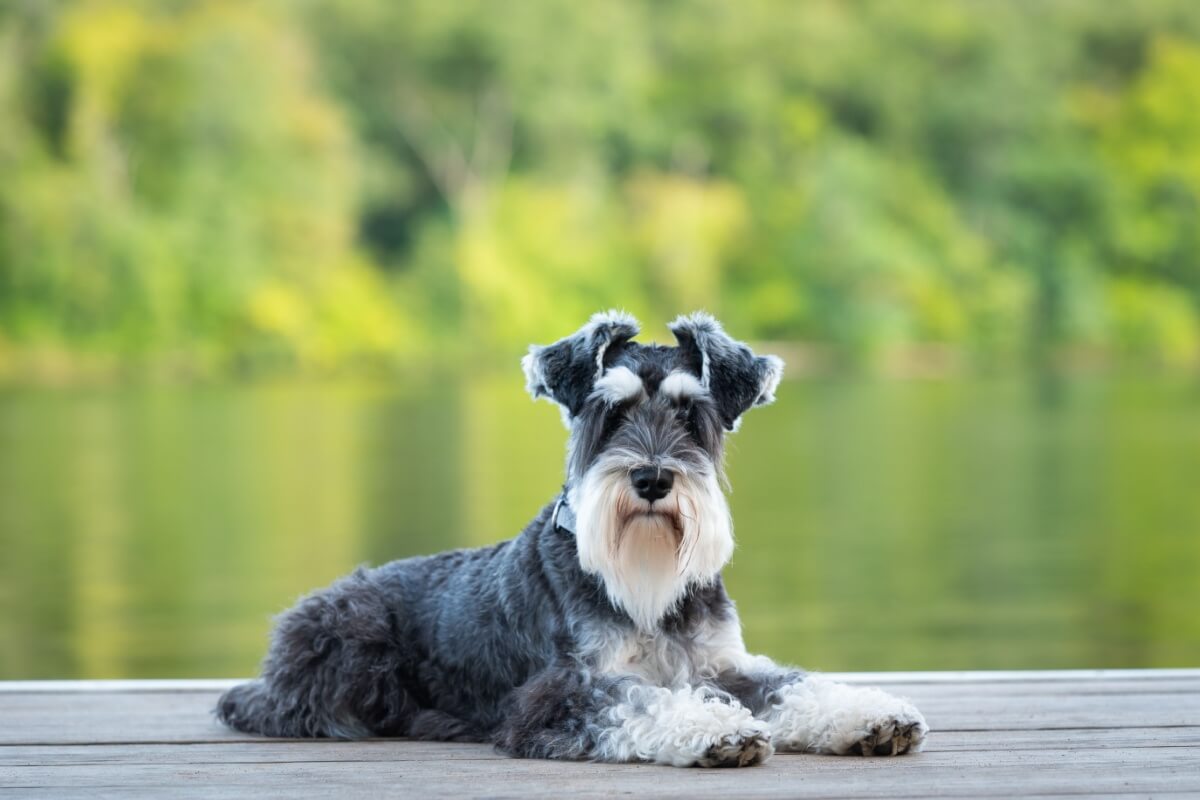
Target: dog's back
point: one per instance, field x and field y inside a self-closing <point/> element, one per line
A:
<point x="422" y="647"/>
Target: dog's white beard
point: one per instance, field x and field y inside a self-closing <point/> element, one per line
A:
<point x="647" y="561"/>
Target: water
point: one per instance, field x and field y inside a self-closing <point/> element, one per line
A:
<point x="964" y="523"/>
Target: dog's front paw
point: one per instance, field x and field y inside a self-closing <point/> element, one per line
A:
<point x="875" y="723"/>
<point x="892" y="737"/>
<point x="742" y="749"/>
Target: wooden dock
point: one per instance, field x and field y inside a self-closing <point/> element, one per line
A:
<point x="1093" y="733"/>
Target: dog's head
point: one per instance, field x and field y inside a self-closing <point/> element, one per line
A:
<point x="644" y="464"/>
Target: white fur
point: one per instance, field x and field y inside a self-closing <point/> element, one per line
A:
<point x="600" y="319"/>
<point x="679" y="385"/>
<point x="535" y="376"/>
<point x="812" y="715"/>
<point x="823" y="716"/>
<point x="699" y="324"/>
<point x="681" y="727"/>
<point x="618" y="385"/>
<point x="770" y="381"/>
<point x="655" y="657"/>
<point x="673" y="662"/>
<point x="644" y="569"/>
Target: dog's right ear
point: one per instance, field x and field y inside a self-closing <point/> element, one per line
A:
<point x="567" y="370"/>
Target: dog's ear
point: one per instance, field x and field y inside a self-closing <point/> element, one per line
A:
<point x="567" y="370"/>
<point x="736" y="378"/>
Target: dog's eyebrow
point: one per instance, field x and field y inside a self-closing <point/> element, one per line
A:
<point x="618" y="385"/>
<point x="680" y="384"/>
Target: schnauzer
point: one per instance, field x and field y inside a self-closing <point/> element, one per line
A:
<point x="603" y="630"/>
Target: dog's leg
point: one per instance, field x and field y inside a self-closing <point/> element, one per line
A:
<point x="334" y="669"/>
<point x="810" y="713"/>
<point x="573" y="714"/>
<point x="682" y="727"/>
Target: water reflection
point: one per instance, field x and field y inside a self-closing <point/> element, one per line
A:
<point x="881" y="525"/>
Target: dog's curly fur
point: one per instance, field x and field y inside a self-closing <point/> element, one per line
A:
<point x="603" y="631"/>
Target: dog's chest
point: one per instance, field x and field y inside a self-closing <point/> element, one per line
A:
<point x="660" y="659"/>
<point x="664" y="659"/>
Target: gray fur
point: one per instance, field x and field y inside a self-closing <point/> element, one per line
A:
<point x="434" y="647"/>
<point x="492" y="644"/>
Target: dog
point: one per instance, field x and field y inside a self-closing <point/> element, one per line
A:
<point x="603" y="631"/>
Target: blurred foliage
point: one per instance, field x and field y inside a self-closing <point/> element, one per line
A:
<point x="224" y="185"/>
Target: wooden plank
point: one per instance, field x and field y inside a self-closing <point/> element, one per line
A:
<point x="1029" y="688"/>
<point x="1015" y="676"/>
<point x="1091" y="733"/>
<point x="111" y="717"/>
<point x="987" y="772"/>
<point x="282" y="751"/>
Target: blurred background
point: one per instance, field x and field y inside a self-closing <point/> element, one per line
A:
<point x="267" y="270"/>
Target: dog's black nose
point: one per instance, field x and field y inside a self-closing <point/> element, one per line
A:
<point x="652" y="483"/>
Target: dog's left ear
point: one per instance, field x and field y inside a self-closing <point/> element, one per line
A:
<point x="567" y="370"/>
<point x="736" y="378"/>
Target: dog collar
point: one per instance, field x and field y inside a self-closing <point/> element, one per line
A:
<point x="563" y="516"/>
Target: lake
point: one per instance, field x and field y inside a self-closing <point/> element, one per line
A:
<point x="979" y="523"/>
